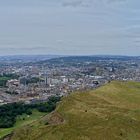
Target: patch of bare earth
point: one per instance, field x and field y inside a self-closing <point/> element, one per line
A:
<point x="55" y="118"/>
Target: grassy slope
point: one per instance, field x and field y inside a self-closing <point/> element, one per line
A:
<point x="20" y="122"/>
<point x="111" y="112"/>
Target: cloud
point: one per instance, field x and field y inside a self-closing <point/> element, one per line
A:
<point x="77" y="3"/>
<point x="72" y="3"/>
<point x="87" y="3"/>
<point x="114" y="1"/>
<point x="69" y="27"/>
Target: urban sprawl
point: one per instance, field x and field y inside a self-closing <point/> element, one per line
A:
<point x="35" y="81"/>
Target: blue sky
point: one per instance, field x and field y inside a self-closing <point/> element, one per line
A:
<point x="70" y="27"/>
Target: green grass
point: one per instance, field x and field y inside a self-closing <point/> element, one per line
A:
<point x="22" y="121"/>
<point x="112" y="112"/>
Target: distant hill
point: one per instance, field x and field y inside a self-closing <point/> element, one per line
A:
<point x="26" y="58"/>
<point x="57" y="59"/>
<point x="112" y="112"/>
<point x="92" y="58"/>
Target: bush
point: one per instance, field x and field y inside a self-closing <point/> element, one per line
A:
<point x="29" y="112"/>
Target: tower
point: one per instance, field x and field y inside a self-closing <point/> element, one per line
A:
<point x="45" y="77"/>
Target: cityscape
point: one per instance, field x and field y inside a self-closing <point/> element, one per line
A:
<point x="69" y="69"/>
<point x="33" y="82"/>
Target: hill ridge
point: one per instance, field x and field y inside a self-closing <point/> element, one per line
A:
<point x="111" y="112"/>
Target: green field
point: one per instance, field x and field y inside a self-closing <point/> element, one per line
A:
<point x="111" y="112"/>
<point x="22" y="121"/>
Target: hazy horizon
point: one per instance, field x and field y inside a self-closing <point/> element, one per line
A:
<point x="70" y="27"/>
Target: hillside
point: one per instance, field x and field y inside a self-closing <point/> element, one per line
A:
<point x="111" y="112"/>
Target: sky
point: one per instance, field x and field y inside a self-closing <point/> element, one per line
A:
<point x="70" y="27"/>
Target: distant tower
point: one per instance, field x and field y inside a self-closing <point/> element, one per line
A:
<point x="23" y="81"/>
<point x="46" y="78"/>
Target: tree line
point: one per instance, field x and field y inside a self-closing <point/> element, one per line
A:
<point x="9" y="112"/>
